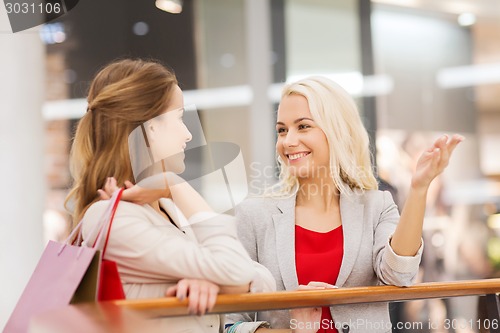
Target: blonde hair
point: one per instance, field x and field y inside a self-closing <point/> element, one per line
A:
<point x="123" y="95"/>
<point x="336" y="113"/>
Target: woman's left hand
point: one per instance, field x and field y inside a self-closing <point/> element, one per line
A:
<point x="202" y="294"/>
<point x="433" y="161"/>
<point x="309" y="319"/>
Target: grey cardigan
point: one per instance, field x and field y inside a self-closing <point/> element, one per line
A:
<point x="266" y="227"/>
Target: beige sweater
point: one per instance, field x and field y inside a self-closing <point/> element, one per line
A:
<point x="153" y="254"/>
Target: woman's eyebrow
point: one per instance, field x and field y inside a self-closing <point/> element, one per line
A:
<point x="300" y="119"/>
<point x="296" y="121"/>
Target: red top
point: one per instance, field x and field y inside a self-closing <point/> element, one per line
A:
<point x="317" y="258"/>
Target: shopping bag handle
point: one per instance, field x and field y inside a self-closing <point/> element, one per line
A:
<point x="110" y="211"/>
<point x="111" y="218"/>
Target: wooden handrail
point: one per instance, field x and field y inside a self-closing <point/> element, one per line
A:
<point x="309" y="298"/>
<point x="131" y="315"/>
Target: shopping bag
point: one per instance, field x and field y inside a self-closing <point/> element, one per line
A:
<point x="110" y="285"/>
<point x="55" y="281"/>
<point x="65" y="274"/>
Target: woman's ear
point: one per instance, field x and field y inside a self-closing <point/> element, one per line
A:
<point x="151" y="130"/>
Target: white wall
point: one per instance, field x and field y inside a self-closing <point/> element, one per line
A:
<point x="322" y="36"/>
<point x="412" y="46"/>
<point x="22" y="69"/>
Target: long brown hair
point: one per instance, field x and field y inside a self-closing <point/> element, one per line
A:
<point x="123" y="95"/>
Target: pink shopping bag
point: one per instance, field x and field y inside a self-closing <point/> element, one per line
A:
<point x="65" y="274"/>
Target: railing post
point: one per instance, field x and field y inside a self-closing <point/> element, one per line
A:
<point x="493" y="310"/>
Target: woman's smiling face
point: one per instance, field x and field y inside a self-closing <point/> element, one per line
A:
<point x="301" y="143"/>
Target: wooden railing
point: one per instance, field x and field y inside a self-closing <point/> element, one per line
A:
<point x="107" y="316"/>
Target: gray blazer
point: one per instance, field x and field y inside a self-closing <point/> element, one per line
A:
<point x="266" y="227"/>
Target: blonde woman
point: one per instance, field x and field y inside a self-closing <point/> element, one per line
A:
<point x="325" y="223"/>
<point x="156" y="244"/>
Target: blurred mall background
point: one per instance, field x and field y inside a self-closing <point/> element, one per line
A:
<point x="418" y="68"/>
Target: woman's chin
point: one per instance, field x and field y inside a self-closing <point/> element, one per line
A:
<point x="299" y="171"/>
<point x="176" y="165"/>
<point x="181" y="169"/>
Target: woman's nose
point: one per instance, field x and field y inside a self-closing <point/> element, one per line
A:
<point x="290" y="139"/>
<point x="189" y="136"/>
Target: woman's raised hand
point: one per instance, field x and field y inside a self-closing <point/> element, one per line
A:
<point x="434" y="160"/>
<point x="180" y="191"/>
<point x="109" y="187"/>
<point x="132" y="193"/>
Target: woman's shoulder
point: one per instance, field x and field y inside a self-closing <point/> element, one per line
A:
<point x="98" y="208"/>
<point x="95" y="211"/>
<point x="378" y="200"/>
<point x="374" y="194"/>
<point x="125" y="209"/>
<point x="375" y="197"/>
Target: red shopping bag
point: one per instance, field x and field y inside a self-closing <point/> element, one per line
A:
<point x="110" y="285"/>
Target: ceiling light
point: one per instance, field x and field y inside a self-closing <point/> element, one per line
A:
<point x="466" y="19"/>
<point x="171" y="6"/>
<point x="403" y="3"/>
<point x="466" y="76"/>
<point x="140" y="28"/>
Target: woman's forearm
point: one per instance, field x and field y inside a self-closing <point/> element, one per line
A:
<point x="407" y="238"/>
<point x="241" y="289"/>
<point x="186" y="197"/>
